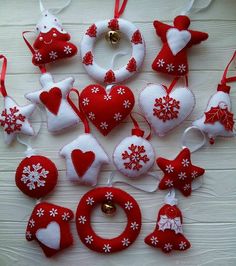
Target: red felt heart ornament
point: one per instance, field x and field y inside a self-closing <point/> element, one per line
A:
<point x="82" y="161"/>
<point x="52" y="99"/>
<point x="106" y="109"/>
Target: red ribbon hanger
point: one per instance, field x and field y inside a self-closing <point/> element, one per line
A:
<point x="117" y="12"/>
<point x="3" y="75"/>
<point x="224" y="79"/>
<point x="173" y="83"/>
<point x="137" y="130"/>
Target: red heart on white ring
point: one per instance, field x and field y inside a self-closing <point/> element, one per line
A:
<point x="106" y="109"/>
<point x="165" y="111"/>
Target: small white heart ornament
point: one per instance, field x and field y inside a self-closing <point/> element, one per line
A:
<point x="50" y="236"/>
<point x="163" y="110"/>
<point x="177" y="39"/>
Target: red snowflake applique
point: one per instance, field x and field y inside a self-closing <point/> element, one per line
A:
<point x="11" y="120"/>
<point x="113" y="24"/>
<point x="136" y="156"/>
<point x="167" y="108"/>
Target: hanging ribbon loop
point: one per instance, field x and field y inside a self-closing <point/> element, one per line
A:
<point x="137" y="130"/>
<point x="3" y="90"/>
<point x="53" y="10"/>
<point x="173" y="83"/>
<point x="118" y="12"/>
<point x="224" y="79"/>
<point x="190" y="8"/>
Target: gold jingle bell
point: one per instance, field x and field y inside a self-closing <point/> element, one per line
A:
<point x="112" y="37"/>
<point x="108" y="208"/>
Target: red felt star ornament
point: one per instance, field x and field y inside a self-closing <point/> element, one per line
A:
<point x="179" y="173"/>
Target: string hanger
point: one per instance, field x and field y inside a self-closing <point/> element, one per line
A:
<point x="54" y="10"/>
<point x="137" y="130"/>
<point x="191" y="8"/>
<point x="118" y="12"/>
<point x="3" y="90"/>
<point x="224" y="79"/>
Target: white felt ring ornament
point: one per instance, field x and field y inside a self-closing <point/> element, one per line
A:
<point x="98" y="29"/>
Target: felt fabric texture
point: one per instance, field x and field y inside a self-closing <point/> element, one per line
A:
<point x="36" y="176"/>
<point x="49" y="226"/>
<point x="84" y="158"/>
<point x="52" y="96"/>
<point x="168" y="234"/>
<point x="134" y="156"/>
<point x="106" y="108"/>
<point x="115" y="196"/>
<point x="172" y="59"/>
<point x="14" y="119"/>
<point x="166" y="110"/>
<point x="99" y="29"/>
<point x="217" y="120"/>
<point x="179" y="173"/>
<point x="52" y="42"/>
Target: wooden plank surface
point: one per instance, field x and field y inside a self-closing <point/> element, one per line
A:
<point x="209" y="214"/>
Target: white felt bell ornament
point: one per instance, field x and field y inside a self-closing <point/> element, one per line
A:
<point x="14" y="119"/>
<point x="84" y="156"/>
<point x="218" y="119"/>
<point x="134" y="155"/>
<point x="166" y="108"/>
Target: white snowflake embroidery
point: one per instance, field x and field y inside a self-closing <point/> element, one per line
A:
<point x="134" y="226"/>
<point x="128" y="205"/>
<point x="109" y="195"/>
<point x="182" y="175"/>
<point x="107" y="97"/>
<point x="186" y="187"/>
<point x="125" y="242"/>
<point x="40" y="212"/>
<point x="33" y="176"/>
<point x="121" y="91"/>
<point x="160" y="63"/>
<point x="194" y="174"/>
<point x="169" y="183"/>
<point x="88" y="239"/>
<point x="185" y="162"/>
<point x="103" y="125"/>
<point x="65" y="216"/>
<point x="182" y="245"/>
<point x="82" y="219"/>
<point x="169" y="169"/>
<point x="170" y="67"/>
<point x="91" y="116"/>
<point x="85" y="101"/>
<point x="38" y="56"/>
<point x="67" y="49"/>
<point x="154" y="240"/>
<point x="168" y="247"/>
<point x="107" y="248"/>
<point x="95" y="90"/>
<point x="53" y="212"/>
<point x="90" y="201"/>
<point x="53" y="55"/>
<point x="182" y="68"/>
<point x="126" y="104"/>
<point x="117" y="116"/>
<point x="28" y="235"/>
<point x="32" y="223"/>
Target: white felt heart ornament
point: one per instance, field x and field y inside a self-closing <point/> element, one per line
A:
<point x="50" y="236"/>
<point x="163" y="110"/>
<point x="177" y="39"/>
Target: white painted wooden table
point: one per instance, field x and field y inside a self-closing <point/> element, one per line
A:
<point x="210" y="213"/>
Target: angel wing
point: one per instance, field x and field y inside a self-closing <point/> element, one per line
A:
<point x="197" y="37"/>
<point x="161" y="29"/>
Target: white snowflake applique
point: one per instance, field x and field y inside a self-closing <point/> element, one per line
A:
<point x="109" y="195"/>
<point x="185" y="162"/>
<point x="85" y="101"/>
<point x="95" y="90"/>
<point x="103" y="125"/>
<point x="53" y="212"/>
<point x="82" y="219"/>
<point x="187" y="187"/>
<point x="91" y="116"/>
<point x="65" y="216"/>
<point x="169" y="183"/>
<point x="128" y="205"/>
<point x="125" y="242"/>
<point x="117" y="116"/>
<point x="67" y="49"/>
<point x="169" y="169"/>
<point x="182" y="245"/>
<point x="88" y="239"/>
<point x="28" y="235"/>
<point x="90" y="201"/>
<point x="121" y="91"/>
<point x="32" y="223"/>
<point x="160" y="63"/>
<point x="182" y="68"/>
<point x="126" y="104"/>
<point x="33" y="176"/>
<point x="107" y="248"/>
<point x="107" y="97"/>
<point x="168" y="247"/>
<point x="182" y="175"/>
<point x="170" y="67"/>
<point x="38" y="56"/>
<point x="53" y="55"/>
<point x="40" y="212"/>
<point x="134" y="226"/>
<point x="194" y="174"/>
<point x="154" y="240"/>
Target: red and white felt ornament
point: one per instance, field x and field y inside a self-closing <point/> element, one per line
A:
<point x="179" y="173"/>
<point x="14" y="119"/>
<point x="52" y="42"/>
<point x="168" y="234"/>
<point x="177" y="39"/>
<point x="134" y="155"/>
<point x="49" y="226"/>
<point x="112" y="28"/>
<point x="166" y="108"/>
<point x="106" y="108"/>
<point x="84" y="156"/>
<point x="108" y="197"/>
<point x="218" y="119"/>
